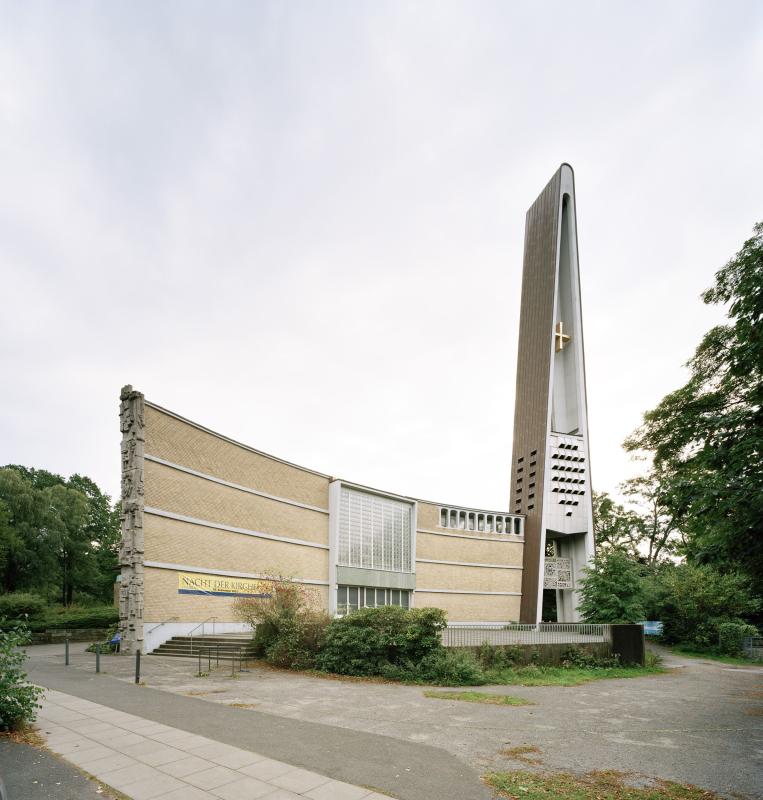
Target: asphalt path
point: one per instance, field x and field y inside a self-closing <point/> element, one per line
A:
<point x="33" y="774"/>
<point x="406" y="770"/>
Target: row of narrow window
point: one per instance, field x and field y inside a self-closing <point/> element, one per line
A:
<point x="568" y="480"/>
<point x="568" y="469"/>
<point x="351" y="598"/>
<point x="479" y="521"/>
<point x="568" y="491"/>
<point x="564" y="446"/>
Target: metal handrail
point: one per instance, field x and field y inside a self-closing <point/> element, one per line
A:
<point x="164" y="622"/>
<point x="201" y="625"/>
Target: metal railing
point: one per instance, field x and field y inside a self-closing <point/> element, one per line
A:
<point x="163" y="622"/>
<point x="210" y="653"/>
<point x="523" y="634"/>
<point x="752" y="647"/>
<point x="201" y="625"/>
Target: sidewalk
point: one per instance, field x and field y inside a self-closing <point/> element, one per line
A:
<point x="147" y="760"/>
<point x="403" y="768"/>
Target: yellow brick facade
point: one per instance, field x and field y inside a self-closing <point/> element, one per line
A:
<point x="163" y="602"/>
<point x="472" y="607"/>
<point x="175" y="440"/>
<point x="179" y="545"/>
<point x="171" y="490"/>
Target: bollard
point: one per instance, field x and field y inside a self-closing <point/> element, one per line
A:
<point x="137" y="666"/>
<point x="232" y="664"/>
<point x="66" y="651"/>
<point x="97" y="658"/>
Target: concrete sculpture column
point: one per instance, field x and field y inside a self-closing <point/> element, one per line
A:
<point x="131" y="422"/>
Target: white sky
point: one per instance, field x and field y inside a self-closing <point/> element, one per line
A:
<point x="301" y="224"/>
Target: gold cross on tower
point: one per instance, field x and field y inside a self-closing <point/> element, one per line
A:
<point x="560" y="336"/>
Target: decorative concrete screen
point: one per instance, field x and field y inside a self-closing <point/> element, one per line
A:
<point x="557" y="573"/>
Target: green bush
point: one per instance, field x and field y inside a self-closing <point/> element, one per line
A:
<point x="297" y="640"/>
<point x="18" y="698"/>
<point x="21" y="605"/>
<point x="612" y="589"/>
<point x="288" y="625"/>
<point x="576" y="657"/>
<point x="62" y="618"/>
<point x="696" y="600"/>
<point x="377" y="641"/>
<point x="731" y="634"/>
<point x="452" y="668"/>
<point x="491" y="657"/>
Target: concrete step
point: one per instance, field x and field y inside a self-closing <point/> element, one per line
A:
<point x="224" y="647"/>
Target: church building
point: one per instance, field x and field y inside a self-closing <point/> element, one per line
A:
<point x="205" y="518"/>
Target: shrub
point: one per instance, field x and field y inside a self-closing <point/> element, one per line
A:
<point x="576" y="657"/>
<point x="376" y="641"/>
<point x="731" y="634"/>
<point x="696" y="600"/>
<point x="62" y="618"/>
<point x="452" y="668"/>
<point x="20" y="605"/>
<point x="18" y="699"/>
<point x="288" y="625"/>
<point x="612" y="590"/>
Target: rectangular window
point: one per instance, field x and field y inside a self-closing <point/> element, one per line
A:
<point x="351" y="598"/>
<point x="374" y="532"/>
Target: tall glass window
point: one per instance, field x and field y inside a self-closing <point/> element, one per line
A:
<point x="374" y="532"/>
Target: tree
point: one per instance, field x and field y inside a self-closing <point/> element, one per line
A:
<point x="612" y="590"/>
<point x="658" y="534"/>
<point x="694" y="601"/>
<point x="615" y="528"/>
<point x="706" y="438"/>
<point x="57" y="537"/>
<point x="647" y="534"/>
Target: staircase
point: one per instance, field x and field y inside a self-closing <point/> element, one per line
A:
<point x="228" y="645"/>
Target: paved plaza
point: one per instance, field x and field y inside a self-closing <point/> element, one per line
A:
<point x="700" y="723"/>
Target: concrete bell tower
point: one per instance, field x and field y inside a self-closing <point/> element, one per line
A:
<point x="551" y="473"/>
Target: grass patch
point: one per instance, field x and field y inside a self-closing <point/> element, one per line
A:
<point x="723" y="659"/>
<point x="480" y="697"/>
<point x="565" y="676"/>
<point x="609" y="785"/>
<point x="527" y="753"/>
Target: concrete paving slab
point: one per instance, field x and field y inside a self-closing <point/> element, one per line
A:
<point x="152" y="787"/>
<point x="212" y="777"/>
<point x="299" y="781"/>
<point x="336" y="790"/>
<point x="267" y="769"/>
<point x="249" y="788"/>
<point x="186" y="766"/>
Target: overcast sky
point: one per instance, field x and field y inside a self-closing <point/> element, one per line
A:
<point x="301" y="223"/>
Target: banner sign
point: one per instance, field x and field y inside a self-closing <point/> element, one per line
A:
<point x="557" y="573"/>
<point x="221" y="586"/>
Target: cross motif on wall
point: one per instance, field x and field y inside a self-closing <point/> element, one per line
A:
<point x="560" y="336"/>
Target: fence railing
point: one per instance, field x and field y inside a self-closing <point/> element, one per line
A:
<point x="523" y="634"/>
<point x="752" y="647"/>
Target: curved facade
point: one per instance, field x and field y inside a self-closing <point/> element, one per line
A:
<point x="209" y="516"/>
<point x="204" y="517"/>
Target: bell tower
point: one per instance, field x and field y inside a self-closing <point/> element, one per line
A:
<point x="550" y="475"/>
